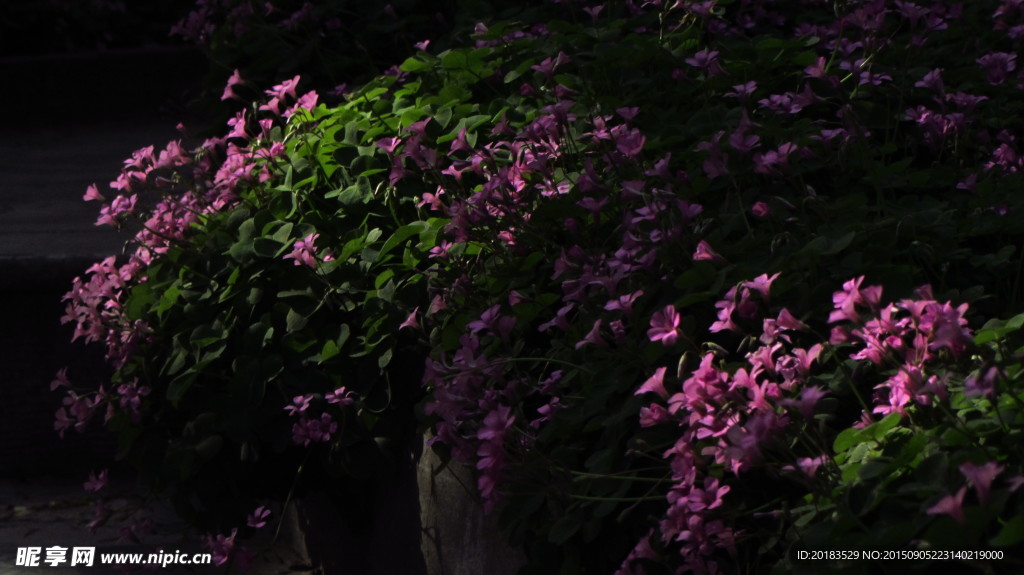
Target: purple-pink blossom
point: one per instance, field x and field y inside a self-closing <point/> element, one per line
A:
<point x="655" y="384"/>
<point x="707" y="61"/>
<point x="981" y="477"/>
<point x="705" y="253"/>
<point x="997" y="66"/>
<point x="258" y="518"/>
<point x="304" y="252"/>
<point x="952" y="505"/>
<point x="229" y="88"/>
<point x="665" y="326"/>
<point x="96" y="481"/>
<point x="221" y="547"/>
<point x="341" y="396"/>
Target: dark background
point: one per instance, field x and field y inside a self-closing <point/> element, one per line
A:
<point x="84" y="83"/>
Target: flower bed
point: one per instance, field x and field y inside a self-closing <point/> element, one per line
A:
<point x="692" y="287"/>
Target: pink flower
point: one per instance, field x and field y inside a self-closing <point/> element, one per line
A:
<point x="284" y="89"/>
<point x="491" y="452"/>
<point x="809" y="397"/>
<point x="846" y="300"/>
<point x="643" y="550"/>
<point x="300" y="403"/>
<point x="389" y="144"/>
<point x="341" y="396"/>
<point x="220" y="547"/>
<point x="716" y="164"/>
<point x="655" y="383"/>
<point x="411" y="321"/>
<point x="229" y="89"/>
<point x="547" y="66"/>
<point x="665" y="326"/>
<point x="983" y="384"/>
<point x="952" y="505"/>
<point x="305" y="102"/>
<point x="788" y="322"/>
<point x="92" y="194"/>
<point x="560" y="320"/>
<point x="96" y="482"/>
<point x="304" y="251"/>
<point x="981" y="477"/>
<point x="593" y="337"/>
<point x="932" y="81"/>
<point x="1015" y="482"/>
<point x="708" y="498"/>
<point x="743" y="91"/>
<point x="808" y="465"/>
<point x="819" y="69"/>
<point x="238" y="125"/>
<point x="630" y="143"/>
<point x="654" y="414"/>
<point x="761" y="210"/>
<point x="61" y="380"/>
<point x="707" y="61"/>
<point x="947" y="327"/>
<point x="762" y="284"/>
<point x="100" y="515"/>
<point x="704" y="253"/>
<point x="492" y="321"/>
<point x="112" y="214"/>
<point x="258" y="518"/>
<point x="309" y="430"/>
<point x="997" y="66"/>
<point x="624" y="302"/>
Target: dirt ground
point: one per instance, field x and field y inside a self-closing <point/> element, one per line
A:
<point x="48" y="512"/>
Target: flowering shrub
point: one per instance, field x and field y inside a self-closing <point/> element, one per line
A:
<point x="639" y="251"/>
<point x="238" y="334"/>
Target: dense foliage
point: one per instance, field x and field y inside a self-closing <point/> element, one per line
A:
<point x="692" y="286"/>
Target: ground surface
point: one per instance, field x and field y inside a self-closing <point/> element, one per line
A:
<point x="54" y="511"/>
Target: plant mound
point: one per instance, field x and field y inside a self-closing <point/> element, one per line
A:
<point x="694" y="287"/>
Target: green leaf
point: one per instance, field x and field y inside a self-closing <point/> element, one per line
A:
<point x="176" y="362"/>
<point x="169" y="298"/>
<point x="563" y="529"/>
<point x="1014" y="323"/>
<point x="414" y="64"/>
<point x="401" y="234"/>
<point x="873" y="468"/>
<point x="329" y="350"/>
<point x="283" y="233"/>
<point x="139" y="300"/>
<point x="826" y="246"/>
<point x="387" y="293"/>
<point x="359" y="193"/>
<point x="209" y="447"/>
<point x="179" y="385"/>
<point x="383" y="278"/>
<point x="268" y="248"/>
<point x="881" y="428"/>
<point x="1012" y="533"/>
<point x="295" y="320"/>
<point x="470" y="59"/>
<point x="846" y="439"/>
<point x="343" y="335"/>
<point x="443" y="116"/>
<point x="385" y="358"/>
